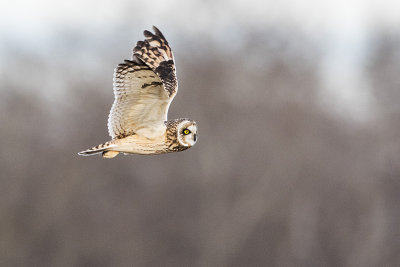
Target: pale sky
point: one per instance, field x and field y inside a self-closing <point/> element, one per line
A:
<point x="342" y="25"/>
<point x="314" y="15"/>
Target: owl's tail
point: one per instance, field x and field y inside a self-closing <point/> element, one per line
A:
<point x="104" y="149"/>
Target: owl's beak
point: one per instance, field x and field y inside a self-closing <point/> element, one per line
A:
<point x="195" y="137"/>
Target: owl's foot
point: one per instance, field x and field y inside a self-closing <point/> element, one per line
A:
<point x="110" y="154"/>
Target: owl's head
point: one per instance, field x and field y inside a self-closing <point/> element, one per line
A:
<point x="182" y="130"/>
<point x="186" y="131"/>
<point x="181" y="134"/>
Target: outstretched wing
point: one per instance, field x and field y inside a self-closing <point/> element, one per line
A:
<point x="144" y="87"/>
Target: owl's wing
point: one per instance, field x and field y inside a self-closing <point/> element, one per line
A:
<point x="144" y="87"/>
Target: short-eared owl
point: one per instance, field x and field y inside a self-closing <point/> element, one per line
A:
<point x="144" y="87"/>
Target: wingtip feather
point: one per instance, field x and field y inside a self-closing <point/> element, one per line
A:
<point x="158" y="32"/>
<point x="146" y="33"/>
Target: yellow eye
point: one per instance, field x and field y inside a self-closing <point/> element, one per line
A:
<point x="186" y="132"/>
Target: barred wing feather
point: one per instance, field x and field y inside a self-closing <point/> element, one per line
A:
<point x="144" y="87"/>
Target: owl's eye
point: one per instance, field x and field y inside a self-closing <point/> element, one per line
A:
<point x="186" y="132"/>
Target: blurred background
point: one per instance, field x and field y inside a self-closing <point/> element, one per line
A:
<point x="298" y="158"/>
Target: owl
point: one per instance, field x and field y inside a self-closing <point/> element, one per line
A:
<point x="144" y="88"/>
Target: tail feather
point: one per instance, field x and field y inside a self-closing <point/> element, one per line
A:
<point x="99" y="149"/>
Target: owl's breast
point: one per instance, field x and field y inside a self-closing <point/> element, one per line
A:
<point x="152" y="131"/>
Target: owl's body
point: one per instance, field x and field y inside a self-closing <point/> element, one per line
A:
<point x="144" y="88"/>
<point x="167" y="142"/>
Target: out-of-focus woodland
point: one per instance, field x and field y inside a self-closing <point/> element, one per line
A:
<point x="276" y="178"/>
